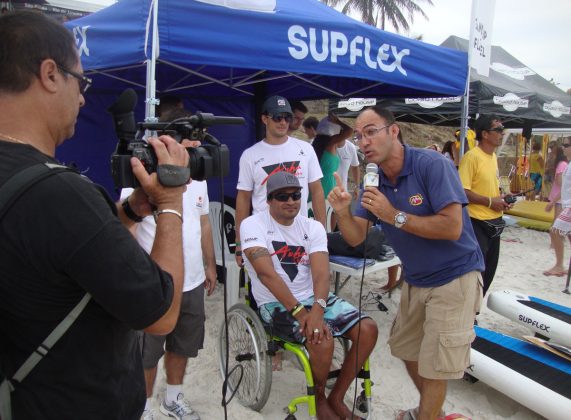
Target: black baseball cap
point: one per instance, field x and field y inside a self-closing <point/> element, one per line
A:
<point x="276" y="105"/>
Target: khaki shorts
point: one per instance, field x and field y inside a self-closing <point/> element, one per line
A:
<point x="435" y="326"/>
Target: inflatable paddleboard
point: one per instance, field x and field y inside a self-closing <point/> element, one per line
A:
<point x="530" y="375"/>
<point x="543" y="317"/>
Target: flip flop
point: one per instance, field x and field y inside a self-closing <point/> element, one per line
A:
<point x="455" y="416"/>
<point x="554" y="273"/>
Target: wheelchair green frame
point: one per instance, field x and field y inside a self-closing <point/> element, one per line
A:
<point x="249" y="352"/>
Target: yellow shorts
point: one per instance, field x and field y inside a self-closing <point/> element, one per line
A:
<point x="435" y="326"/>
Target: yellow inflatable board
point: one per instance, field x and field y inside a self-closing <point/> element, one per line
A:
<point x="534" y="210"/>
<point x="532" y="224"/>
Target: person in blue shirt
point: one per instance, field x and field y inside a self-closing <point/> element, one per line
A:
<point x="420" y="204"/>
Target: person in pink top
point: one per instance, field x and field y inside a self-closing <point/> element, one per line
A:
<point x="560" y="154"/>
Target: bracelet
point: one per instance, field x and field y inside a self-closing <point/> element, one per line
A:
<point x="237" y="243"/>
<point x="489" y="202"/>
<point x="128" y="210"/>
<point x="238" y="253"/>
<point x="296" y="309"/>
<point x="167" y="211"/>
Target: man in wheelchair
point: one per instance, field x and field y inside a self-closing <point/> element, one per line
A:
<point x="287" y="260"/>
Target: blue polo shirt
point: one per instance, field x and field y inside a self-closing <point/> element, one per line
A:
<point x="428" y="182"/>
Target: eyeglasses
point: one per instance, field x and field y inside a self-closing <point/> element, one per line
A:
<point x="499" y="129"/>
<point x="565" y="146"/>
<point x="369" y="133"/>
<point x="283" y="197"/>
<point x="278" y="118"/>
<point x="84" y="82"/>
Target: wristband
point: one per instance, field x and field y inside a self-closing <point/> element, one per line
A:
<point x="238" y="253"/>
<point x="237" y="243"/>
<point x="489" y="202"/>
<point x="167" y="211"/>
<point x="296" y="309"/>
<point x="128" y="210"/>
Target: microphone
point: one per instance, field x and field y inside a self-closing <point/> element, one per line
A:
<point x="371" y="178"/>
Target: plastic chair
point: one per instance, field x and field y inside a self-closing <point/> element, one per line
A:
<point x="250" y="349"/>
<point x="328" y="214"/>
<point x="232" y="283"/>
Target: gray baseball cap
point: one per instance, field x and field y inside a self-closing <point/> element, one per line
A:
<point x="281" y="180"/>
<point x="275" y="105"/>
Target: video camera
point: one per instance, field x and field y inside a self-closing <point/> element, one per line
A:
<point x="210" y="159"/>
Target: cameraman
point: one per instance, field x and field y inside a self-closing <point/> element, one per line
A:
<point x="64" y="238"/>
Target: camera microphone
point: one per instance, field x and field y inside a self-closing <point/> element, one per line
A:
<point x="371" y="178"/>
<point x="122" y="111"/>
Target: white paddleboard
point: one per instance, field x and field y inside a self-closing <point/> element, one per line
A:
<point x="543" y="317"/>
<point x="537" y="379"/>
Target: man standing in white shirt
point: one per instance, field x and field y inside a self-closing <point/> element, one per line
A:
<point x="278" y="152"/>
<point x="348" y="161"/>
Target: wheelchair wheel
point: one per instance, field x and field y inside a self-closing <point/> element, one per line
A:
<point x="250" y="366"/>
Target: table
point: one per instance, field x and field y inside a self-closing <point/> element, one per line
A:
<point x="339" y="269"/>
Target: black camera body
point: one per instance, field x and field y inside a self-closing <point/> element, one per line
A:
<point x="510" y="199"/>
<point x="208" y="160"/>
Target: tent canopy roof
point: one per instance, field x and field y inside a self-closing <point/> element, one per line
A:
<point x="299" y="48"/>
<point x="512" y="91"/>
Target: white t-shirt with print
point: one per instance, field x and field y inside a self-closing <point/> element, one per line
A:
<point x="347" y="158"/>
<point x="195" y="203"/>
<point x="290" y="248"/>
<point x="262" y="159"/>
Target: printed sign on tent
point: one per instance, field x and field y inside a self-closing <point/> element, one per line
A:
<point x="480" y="48"/>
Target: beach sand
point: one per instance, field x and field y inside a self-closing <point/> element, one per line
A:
<point x="525" y="254"/>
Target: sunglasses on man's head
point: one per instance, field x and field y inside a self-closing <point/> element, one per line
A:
<point x="498" y="129"/>
<point x="278" y="118"/>
<point x="283" y="197"/>
<point x="565" y="146"/>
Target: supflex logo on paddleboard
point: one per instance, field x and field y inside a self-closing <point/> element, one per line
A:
<point x="533" y="323"/>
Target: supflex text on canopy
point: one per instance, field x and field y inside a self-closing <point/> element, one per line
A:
<point x="336" y="44"/>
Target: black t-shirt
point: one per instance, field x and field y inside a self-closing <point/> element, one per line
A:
<point x="60" y="240"/>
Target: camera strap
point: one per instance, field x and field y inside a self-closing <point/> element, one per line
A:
<point x="10" y="191"/>
<point x="172" y="175"/>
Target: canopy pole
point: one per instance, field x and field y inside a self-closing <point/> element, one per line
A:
<point x="465" y="111"/>
<point x="150" y="92"/>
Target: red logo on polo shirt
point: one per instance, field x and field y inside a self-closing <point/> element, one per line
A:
<point x="416" y="200"/>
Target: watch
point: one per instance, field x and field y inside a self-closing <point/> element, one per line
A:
<point x="321" y="302"/>
<point x="400" y="219"/>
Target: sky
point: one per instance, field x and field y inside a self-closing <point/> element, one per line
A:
<point x="537" y="33"/>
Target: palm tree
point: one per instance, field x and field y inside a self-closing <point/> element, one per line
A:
<point x="380" y="12"/>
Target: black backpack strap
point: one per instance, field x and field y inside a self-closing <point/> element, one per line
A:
<point x="10" y="191"/>
<point x="19" y="183"/>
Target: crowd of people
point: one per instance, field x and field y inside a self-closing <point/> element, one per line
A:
<point x="129" y="278"/>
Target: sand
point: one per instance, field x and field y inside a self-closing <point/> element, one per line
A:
<point x="524" y="255"/>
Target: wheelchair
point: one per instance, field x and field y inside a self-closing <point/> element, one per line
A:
<point x="250" y="349"/>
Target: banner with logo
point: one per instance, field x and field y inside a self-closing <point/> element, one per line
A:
<point x="480" y="49"/>
<point x="302" y="40"/>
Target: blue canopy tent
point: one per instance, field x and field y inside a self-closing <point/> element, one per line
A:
<point x="226" y="58"/>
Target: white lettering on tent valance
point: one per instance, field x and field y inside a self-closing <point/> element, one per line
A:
<point x="357" y="104"/>
<point x="556" y="109"/>
<point x="518" y="73"/>
<point x="430" y="103"/>
<point x="510" y="102"/>
<point x="80" y="35"/>
<point x="334" y="45"/>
